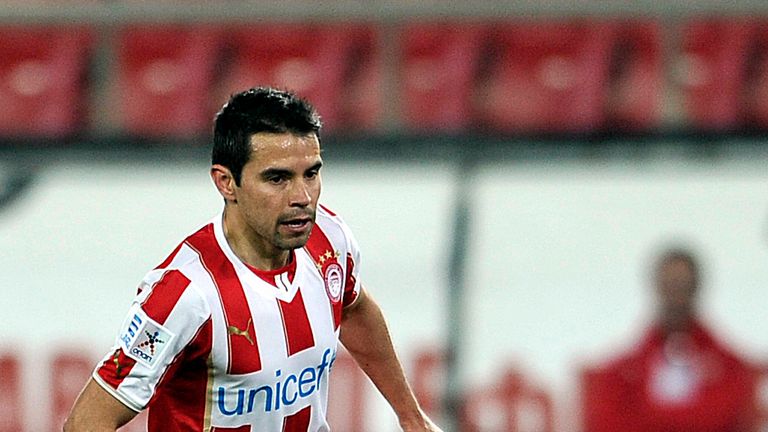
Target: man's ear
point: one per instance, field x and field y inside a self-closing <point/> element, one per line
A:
<point x="225" y="183"/>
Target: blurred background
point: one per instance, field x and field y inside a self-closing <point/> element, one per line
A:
<point x="511" y="169"/>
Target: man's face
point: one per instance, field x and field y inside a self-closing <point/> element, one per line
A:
<point x="279" y="189"/>
<point x="676" y="289"/>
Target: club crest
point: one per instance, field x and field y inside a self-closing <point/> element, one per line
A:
<point x="333" y="281"/>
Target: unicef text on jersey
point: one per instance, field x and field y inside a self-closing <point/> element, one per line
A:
<point x="284" y="392"/>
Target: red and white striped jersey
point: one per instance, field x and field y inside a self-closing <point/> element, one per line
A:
<point x="212" y="344"/>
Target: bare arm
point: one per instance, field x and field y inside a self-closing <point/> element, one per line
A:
<point x="365" y="335"/>
<point x="96" y="410"/>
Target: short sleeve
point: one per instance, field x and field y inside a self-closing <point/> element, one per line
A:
<point x="161" y="322"/>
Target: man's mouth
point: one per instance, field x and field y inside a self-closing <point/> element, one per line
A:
<point x="297" y="224"/>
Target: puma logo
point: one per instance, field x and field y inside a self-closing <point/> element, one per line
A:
<point x="118" y="366"/>
<point x="244" y="333"/>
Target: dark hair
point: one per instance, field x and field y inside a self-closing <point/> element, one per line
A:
<point x="260" y="109"/>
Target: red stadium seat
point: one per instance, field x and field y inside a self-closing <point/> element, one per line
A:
<point x="710" y="71"/>
<point x="11" y="398"/>
<point x="335" y="66"/>
<point x="754" y="102"/>
<point x="429" y="381"/>
<point x="70" y="372"/>
<point x="635" y="77"/>
<point x="164" y="77"/>
<point x="362" y="94"/>
<point x="544" y="76"/>
<point x="438" y="67"/>
<point x="511" y="405"/>
<point x="346" y="404"/>
<point x="42" y="72"/>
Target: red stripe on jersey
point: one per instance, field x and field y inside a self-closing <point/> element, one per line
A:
<point x="298" y="332"/>
<point x="246" y="428"/>
<point x="337" y="307"/>
<point x="180" y="399"/>
<point x="323" y="254"/>
<point x="114" y="369"/>
<point x="243" y="350"/>
<point x="328" y="210"/>
<point x="298" y="422"/>
<point x="349" y="285"/>
<point x="164" y="296"/>
<point x="170" y="258"/>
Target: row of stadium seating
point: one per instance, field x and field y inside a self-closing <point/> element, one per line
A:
<point x="509" y="77"/>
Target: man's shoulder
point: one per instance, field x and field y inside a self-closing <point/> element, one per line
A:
<point x="331" y="223"/>
<point x="328" y="216"/>
<point x="716" y="345"/>
<point x="181" y="254"/>
<point x="332" y="230"/>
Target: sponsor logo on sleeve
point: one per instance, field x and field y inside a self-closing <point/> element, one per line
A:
<point x="143" y="339"/>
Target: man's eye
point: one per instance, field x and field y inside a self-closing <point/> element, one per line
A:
<point x="312" y="174"/>
<point x="276" y="180"/>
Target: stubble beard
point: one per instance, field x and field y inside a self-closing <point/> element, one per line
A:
<point x="293" y="242"/>
<point x="288" y="244"/>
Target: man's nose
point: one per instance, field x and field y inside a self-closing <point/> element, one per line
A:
<point x="300" y="196"/>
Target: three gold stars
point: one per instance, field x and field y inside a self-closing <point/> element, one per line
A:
<point x="325" y="257"/>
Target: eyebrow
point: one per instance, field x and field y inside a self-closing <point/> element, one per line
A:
<point x="282" y="172"/>
<point x="276" y="172"/>
<point x="316" y="167"/>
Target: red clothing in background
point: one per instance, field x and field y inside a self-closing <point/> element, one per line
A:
<point x="682" y="382"/>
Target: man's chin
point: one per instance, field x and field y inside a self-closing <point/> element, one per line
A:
<point x="293" y="242"/>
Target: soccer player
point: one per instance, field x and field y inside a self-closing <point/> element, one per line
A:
<point x="237" y="329"/>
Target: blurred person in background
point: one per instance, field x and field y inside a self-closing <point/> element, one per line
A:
<point x="238" y="328"/>
<point x="678" y="377"/>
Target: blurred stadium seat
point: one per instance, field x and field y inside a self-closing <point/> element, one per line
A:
<point x="754" y="101"/>
<point x="513" y="404"/>
<point x="362" y="98"/>
<point x="544" y="76"/>
<point x="163" y="78"/>
<point x="42" y="80"/>
<point x="635" y="76"/>
<point x="11" y="401"/>
<point x="346" y="403"/>
<point x="710" y="71"/>
<point x="428" y="380"/>
<point x="334" y="65"/>
<point x="438" y="66"/>
<point x="71" y="372"/>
